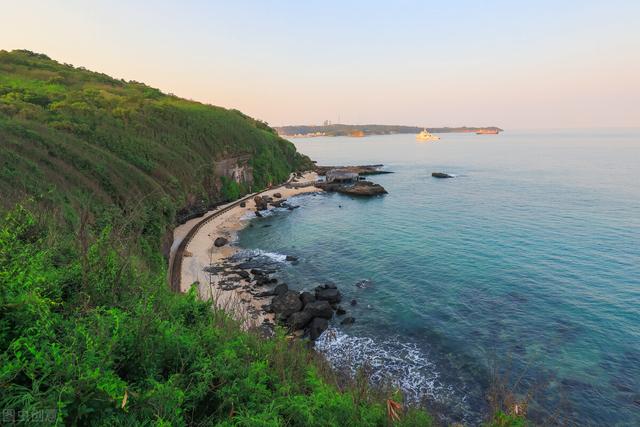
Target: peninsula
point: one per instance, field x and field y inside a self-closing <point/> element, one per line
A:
<point x="300" y="131"/>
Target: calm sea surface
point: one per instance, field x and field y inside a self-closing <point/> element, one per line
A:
<point x="527" y="263"/>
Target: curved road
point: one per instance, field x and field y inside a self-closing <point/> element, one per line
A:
<point x="175" y="266"/>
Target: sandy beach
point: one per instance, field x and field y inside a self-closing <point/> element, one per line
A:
<point x="230" y="292"/>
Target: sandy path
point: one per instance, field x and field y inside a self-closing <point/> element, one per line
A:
<point x="201" y="253"/>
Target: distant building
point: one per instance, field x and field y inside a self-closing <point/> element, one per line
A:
<point x="338" y="176"/>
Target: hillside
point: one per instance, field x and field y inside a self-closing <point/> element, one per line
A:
<point x="364" y="130"/>
<point x="93" y="173"/>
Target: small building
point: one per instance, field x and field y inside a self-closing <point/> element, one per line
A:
<point x="338" y="176"/>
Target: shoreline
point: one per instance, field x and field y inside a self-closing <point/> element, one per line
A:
<point x="227" y="284"/>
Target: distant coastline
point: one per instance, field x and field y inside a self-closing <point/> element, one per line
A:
<point x="310" y="131"/>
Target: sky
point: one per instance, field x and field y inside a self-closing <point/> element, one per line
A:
<point x="513" y="64"/>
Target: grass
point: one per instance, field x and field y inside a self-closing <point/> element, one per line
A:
<point x="93" y="171"/>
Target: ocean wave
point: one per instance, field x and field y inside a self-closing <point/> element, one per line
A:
<point x="246" y="254"/>
<point x="390" y="361"/>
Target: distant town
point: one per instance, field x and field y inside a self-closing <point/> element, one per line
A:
<point x="330" y="129"/>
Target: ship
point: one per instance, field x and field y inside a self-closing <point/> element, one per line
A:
<point x="487" y="132"/>
<point x="426" y="136"/>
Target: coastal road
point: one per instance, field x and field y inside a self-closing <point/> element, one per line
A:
<point x="175" y="264"/>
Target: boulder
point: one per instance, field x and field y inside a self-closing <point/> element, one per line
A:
<point x="348" y="321"/>
<point x="277" y="195"/>
<point x="317" y="327"/>
<point x="261" y="203"/>
<point x="286" y="304"/>
<point x="354" y="302"/>
<point x="441" y="175"/>
<point x="340" y="311"/>
<point x="307" y="297"/>
<point x="328" y="294"/>
<point x="319" y="309"/>
<point x="280" y="289"/>
<point x="220" y="241"/>
<point x="299" y="320"/>
<point x="243" y="204"/>
<point x="258" y="214"/>
<point x="291" y="258"/>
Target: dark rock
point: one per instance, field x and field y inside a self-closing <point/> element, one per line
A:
<point x="277" y="195"/>
<point x="261" y="281"/>
<point x="267" y="308"/>
<point x="317" y="327"/>
<point x="261" y="203"/>
<point x="441" y="175"/>
<point x="330" y="285"/>
<point x="258" y="214"/>
<point x="280" y="289"/>
<point x="307" y="297"/>
<point x="359" y="188"/>
<point x="354" y="302"/>
<point x="278" y="203"/>
<point x="292" y="207"/>
<point x="286" y="304"/>
<point x="299" y="319"/>
<point x="263" y="294"/>
<point x="220" y="241"/>
<point x="319" y="309"/>
<point x="266" y="225"/>
<point x="243" y="273"/>
<point x="331" y="295"/>
<point x="228" y="286"/>
<point x="291" y="258"/>
<point x="364" y="284"/>
<point x="243" y="204"/>
<point x="348" y="321"/>
<point x="340" y="311"/>
<point x="257" y="272"/>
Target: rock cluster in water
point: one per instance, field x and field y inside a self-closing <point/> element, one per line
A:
<point x="262" y="203"/>
<point x="308" y="311"/>
<point x="358" y="188"/>
<point x="441" y="175"/>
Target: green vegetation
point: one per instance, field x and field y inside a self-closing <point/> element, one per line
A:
<point x="92" y="173"/>
<point x="348" y="130"/>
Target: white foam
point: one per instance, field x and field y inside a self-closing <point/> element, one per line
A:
<point x="400" y="363"/>
<point x="257" y="253"/>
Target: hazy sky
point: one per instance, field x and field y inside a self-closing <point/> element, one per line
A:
<point x="514" y="64"/>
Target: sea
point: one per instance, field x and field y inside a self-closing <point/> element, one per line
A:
<point x="519" y="278"/>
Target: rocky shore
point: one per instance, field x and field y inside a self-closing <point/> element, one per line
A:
<point x="305" y="313"/>
<point x="355" y="184"/>
<point x="244" y="283"/>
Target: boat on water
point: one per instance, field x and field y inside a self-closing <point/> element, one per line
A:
<point x="426" y="136"/>
<point x="487" y="132"/>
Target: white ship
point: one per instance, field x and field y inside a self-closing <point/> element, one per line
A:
<point x="426" y="136"/>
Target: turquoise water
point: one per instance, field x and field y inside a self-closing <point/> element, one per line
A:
<point x="528" y="263"/>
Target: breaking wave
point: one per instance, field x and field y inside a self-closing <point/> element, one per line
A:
<point x="253" y="254"/>
<point x="390" y="361"/>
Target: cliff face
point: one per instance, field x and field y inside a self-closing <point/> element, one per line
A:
<point x="238" y="169"/>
